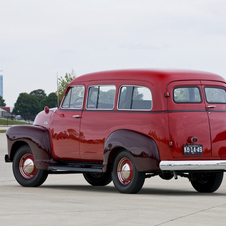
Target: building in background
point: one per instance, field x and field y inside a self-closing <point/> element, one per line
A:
<point x="1" y="85"/>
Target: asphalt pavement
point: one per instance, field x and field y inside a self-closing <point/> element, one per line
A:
<point x="70" y="200"/>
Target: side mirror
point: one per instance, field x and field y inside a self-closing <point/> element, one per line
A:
<point x="46" y="109"/>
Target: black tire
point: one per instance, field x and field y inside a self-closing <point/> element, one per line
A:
<point x="207" y="183"/>
<point x="125" y="176"/>
<point x="24" y="169"/>
<point x="98" y="179"/>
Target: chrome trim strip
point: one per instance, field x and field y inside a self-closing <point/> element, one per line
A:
<point x="192" y="165"/>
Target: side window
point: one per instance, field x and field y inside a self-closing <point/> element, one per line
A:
<point x="215" y="95"/>
<point x="187" y="95"/>
<point x="101" y="97"/>
<point x="135" y="98"/>
<point x="74" y="98"/>
<point x="92" y="97"/>
<point x="66" y="102"/>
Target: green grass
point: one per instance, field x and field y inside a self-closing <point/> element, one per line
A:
<point x="3" y="131"/>
<point x="3" y="122"/>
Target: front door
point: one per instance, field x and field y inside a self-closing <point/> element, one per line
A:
<point x="188" y="121"/>
<point x="65" y="125"/>
<point x="215" y="93"/>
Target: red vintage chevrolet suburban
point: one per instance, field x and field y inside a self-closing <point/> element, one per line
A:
<point x="126" y="126"/>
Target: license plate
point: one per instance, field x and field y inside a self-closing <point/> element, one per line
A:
<point x="193" y="150"/>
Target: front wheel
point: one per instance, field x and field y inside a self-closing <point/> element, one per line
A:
<point x="206" y="182"/>
<point x="98" y="179"/>
<point x="24" y="168"/>
<point x="125" y="176"/>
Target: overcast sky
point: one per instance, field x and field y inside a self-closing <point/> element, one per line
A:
<point x="41" y="38"/>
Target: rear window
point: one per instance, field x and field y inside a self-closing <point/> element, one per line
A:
<point x="215" y="95"/>
<point x="187" y="95"/>
<point x="134" y="98"/>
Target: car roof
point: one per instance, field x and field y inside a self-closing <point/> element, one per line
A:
<point x="153" y="76"/>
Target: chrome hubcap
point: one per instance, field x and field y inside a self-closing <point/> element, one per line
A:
<point x="27" y="166"/>
<point x="125" y="171"/>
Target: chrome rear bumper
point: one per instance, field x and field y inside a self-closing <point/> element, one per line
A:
<point x="192" y="165"/>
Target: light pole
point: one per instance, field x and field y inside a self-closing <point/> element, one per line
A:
<point x="57" y="91"/>
<point x="1" y="86"/>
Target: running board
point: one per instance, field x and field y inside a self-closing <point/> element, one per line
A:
<point x="74" y="169"/>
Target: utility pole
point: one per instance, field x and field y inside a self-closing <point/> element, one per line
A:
<point x="57" y="92"/>
<point x="1" y="85"/>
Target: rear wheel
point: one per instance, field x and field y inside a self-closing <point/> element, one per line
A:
<point x="98" y="179"/>
<point x="206" y="182"/>
<point x="125" y="176"/>
<point x="24" y="168"/>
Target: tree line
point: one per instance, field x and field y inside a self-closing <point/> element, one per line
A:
<point x="28" y="105"/>
<point x="2" y="102"/>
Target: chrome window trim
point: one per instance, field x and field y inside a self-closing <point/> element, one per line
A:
<point x="193" y="165"/>
<point x="133" y="109"/>
<point x="96" y="109"/>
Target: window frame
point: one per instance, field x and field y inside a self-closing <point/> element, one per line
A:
<point x="218" y="87"/>
<point x="98" y="94"/>
<point x="200" y="93"/>
<point x="134" y="86"/>
<point x="70" y="90"/>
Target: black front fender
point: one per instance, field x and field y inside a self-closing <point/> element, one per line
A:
<point x="142" y="147"/>
<point x="37" y="138"/>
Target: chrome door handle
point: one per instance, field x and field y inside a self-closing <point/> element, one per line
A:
<point x="211" y="106"/>
<point x="76" y="116"/>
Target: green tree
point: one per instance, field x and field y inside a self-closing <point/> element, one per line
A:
<point x="108" y="96"/>
<point x="63" y="83"/>
<point x="50" y="101"/>
<point x="39" y="93"/>
<point x="27" y="106"/>
<point x="2" y="102"/>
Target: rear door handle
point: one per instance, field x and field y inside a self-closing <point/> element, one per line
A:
<point x="211" y="106"/>
<point x="76" y="116"/>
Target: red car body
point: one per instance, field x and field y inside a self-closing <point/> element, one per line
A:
<point x="176" y="127"/>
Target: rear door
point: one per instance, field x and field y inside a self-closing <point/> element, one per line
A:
<point x="215" y="95"/>
<point x="188" y="120"/>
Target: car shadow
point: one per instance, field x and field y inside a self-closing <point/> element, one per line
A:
<point x="84" y="188"/>
<point x="176" y="192"/>
<point x="143" y="191"/>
